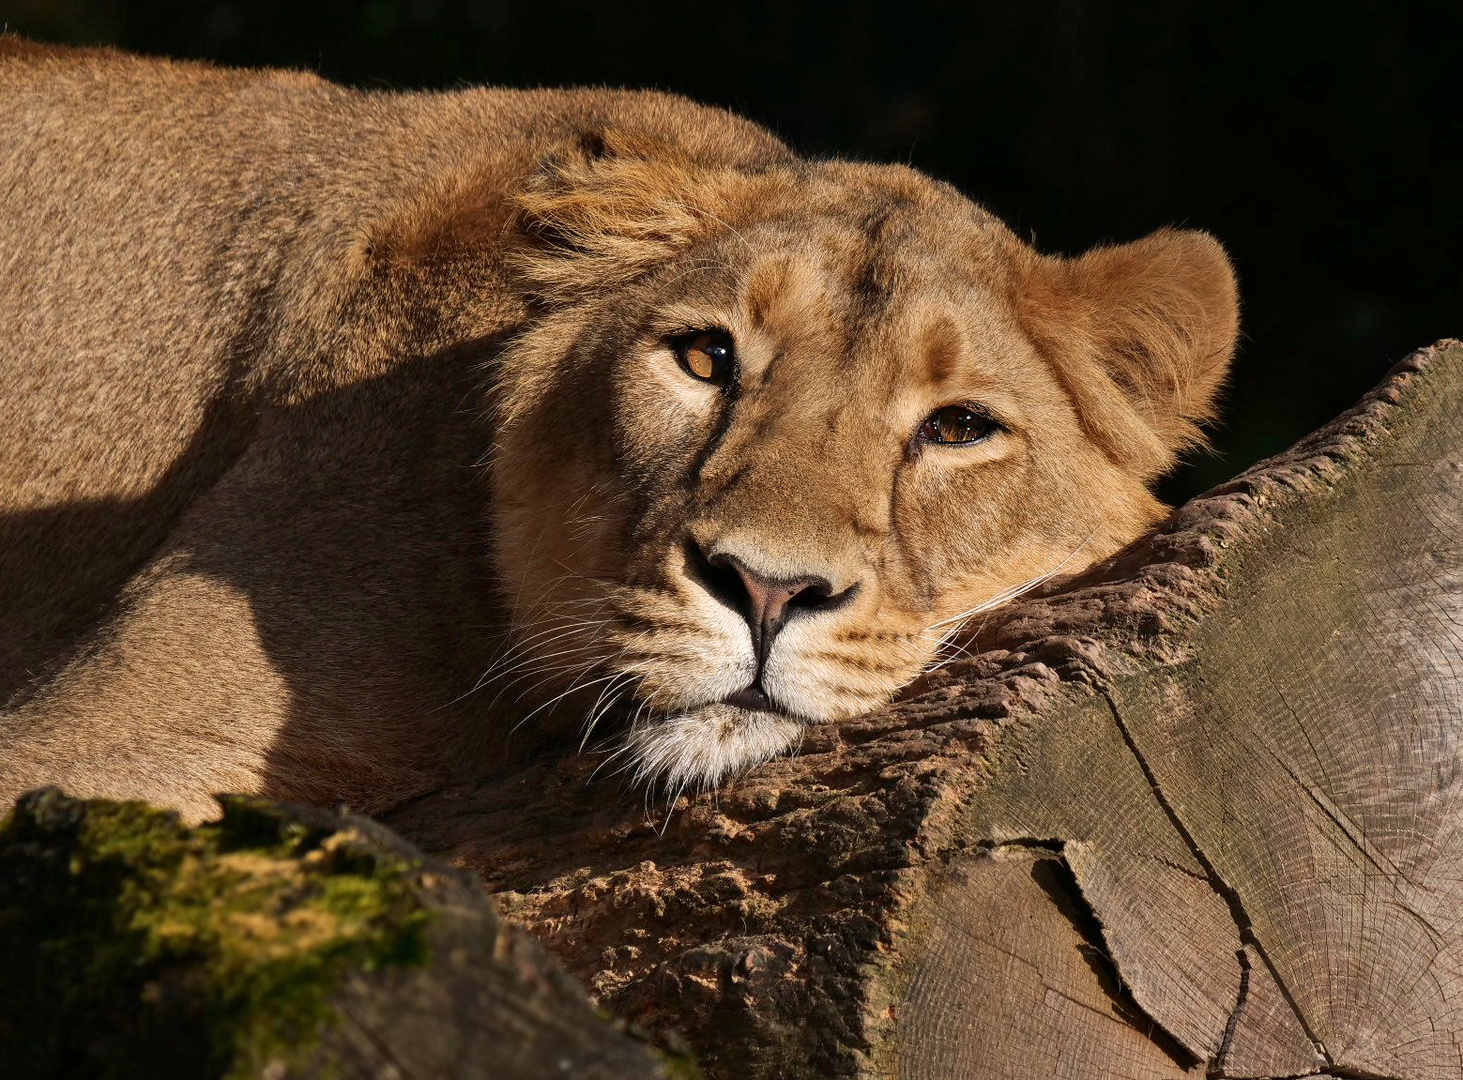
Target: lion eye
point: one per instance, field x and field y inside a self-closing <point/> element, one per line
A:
<point x="707" y="355"/>
<point x="958" y="424"/>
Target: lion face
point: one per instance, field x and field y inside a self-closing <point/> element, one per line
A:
<point x="777" y="436"/>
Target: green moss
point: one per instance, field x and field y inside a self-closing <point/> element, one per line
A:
<point x="681" y="1067"/>
<point x="135" y="946"/>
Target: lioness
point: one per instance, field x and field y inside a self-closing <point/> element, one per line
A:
<point x="344" y="433"/>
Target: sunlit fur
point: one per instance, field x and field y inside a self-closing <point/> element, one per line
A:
<point x="860" y="299"/>
<point x="343" y="452"/>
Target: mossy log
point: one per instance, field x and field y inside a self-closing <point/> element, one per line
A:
<point x="279" y="942"/>
<point x="1194" y="814"/>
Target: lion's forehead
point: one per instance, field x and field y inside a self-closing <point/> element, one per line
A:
<point x="877" y="249"/>
<point x="887" y="328"/>
<point x="864" y="275"/>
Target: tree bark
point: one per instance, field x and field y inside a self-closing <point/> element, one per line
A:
<point x="1195" y="813"/>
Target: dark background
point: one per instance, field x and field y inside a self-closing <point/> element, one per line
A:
<point x="1321" y="143"/>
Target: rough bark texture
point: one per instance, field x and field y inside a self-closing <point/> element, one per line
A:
<point x="1194" y="814"/>
<point x="280" y="942"/>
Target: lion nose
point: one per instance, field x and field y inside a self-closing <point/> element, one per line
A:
<point x="765" y="601"/>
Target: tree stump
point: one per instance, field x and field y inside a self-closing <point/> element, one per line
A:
<point x="1194" y="814"/>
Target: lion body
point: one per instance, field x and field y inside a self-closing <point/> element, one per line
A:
<point x="294" y="452"/>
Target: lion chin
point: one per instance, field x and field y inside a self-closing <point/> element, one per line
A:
<point x="706" y="747"/>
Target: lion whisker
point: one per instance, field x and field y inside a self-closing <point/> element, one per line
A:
<point x="596" y="712"/>
<point x="577" y="686"/>
<point x="1002" y="597"/>
<point x="520" y="653"/>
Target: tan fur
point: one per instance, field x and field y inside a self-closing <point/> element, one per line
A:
<point x="341" y="431"/>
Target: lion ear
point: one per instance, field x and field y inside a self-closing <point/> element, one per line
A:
<point x="610" y="204"/>
<point x="1141" y="336"/>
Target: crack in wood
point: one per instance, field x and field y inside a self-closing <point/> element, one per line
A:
<point x="1226" y="892"/>
<point x="1065" y="892"/>
<point x="1053" y="845"/>
<point x="1241" y="997"/>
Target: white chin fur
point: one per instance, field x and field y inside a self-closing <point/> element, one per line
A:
<point x="702" y="749"/>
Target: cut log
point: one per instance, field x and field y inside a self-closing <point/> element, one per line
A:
<point x="280" y="942"/>
<point x="1194" y="814"/>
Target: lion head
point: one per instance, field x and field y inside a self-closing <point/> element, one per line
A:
<point x="778" y="429"/>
